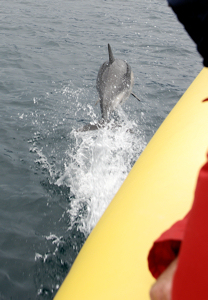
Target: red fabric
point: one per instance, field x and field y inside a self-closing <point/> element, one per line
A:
<point x="191" y="277"/>
<point x="166" y="247"/>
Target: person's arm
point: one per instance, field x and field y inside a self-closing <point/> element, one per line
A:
<point x="165" y="249"/>
<point x="162" y="288"/>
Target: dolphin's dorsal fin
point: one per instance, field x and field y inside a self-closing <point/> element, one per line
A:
<point x="111" y="57"/>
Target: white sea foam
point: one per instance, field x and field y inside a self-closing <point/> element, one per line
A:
<point x="95" y="163"/>
<point x="97" y="167"/>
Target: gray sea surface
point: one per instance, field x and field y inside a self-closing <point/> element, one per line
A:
<point x="55" y="182"/>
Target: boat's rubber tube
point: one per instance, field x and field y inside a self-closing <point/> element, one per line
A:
<point x="112" y="264"/>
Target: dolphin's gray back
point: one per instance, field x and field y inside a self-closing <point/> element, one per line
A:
<point x="114" y="84"/>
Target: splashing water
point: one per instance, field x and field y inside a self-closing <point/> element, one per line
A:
<point x="92" y="165"/>
<point x="97" y="167"/>
<point x="81" y="171"/>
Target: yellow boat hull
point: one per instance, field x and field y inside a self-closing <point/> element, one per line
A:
<point x="112" y="264"/>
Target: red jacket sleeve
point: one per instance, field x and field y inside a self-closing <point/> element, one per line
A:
<point x="165" y="249"/>
<point x="190" y="279"/>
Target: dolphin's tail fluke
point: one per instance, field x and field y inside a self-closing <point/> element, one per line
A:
<point x="93" y="126"/>
<point x="111" y="57"/>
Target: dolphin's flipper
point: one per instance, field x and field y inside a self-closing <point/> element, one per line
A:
<point x="111" y="57"/>
<point x="135" y="96"/>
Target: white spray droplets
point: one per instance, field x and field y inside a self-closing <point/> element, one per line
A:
<point x="97" y="168"/>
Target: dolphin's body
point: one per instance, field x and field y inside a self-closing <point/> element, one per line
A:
<point x="114" y="84"/>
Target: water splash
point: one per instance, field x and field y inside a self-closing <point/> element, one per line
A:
<point x="96" y="168"/>
<point x="80" y="171"/>
<point x="92" y="165"/>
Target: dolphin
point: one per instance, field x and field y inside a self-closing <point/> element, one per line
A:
<point x="114" y="84"/>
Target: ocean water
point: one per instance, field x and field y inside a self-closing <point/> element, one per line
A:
<point x="56" y="182"/>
